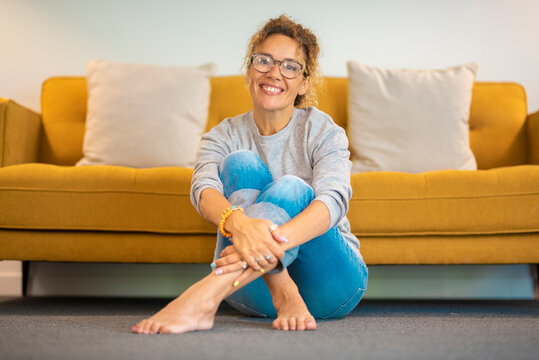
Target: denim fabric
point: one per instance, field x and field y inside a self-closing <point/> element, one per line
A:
<point x="330" y="275"/>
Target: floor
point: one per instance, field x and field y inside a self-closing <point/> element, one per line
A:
<point x="98" y="328"/>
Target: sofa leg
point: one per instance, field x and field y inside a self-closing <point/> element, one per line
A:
<point x="25" y="272"/>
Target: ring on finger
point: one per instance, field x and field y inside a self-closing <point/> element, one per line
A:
<point x="267" y="257"/>
<point x="273" y="227"/>
<point x="244" y="265"/>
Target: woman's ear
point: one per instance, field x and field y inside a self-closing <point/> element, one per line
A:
<point x="304" y="86"/>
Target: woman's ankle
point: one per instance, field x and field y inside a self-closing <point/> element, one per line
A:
<point x="281" y="287"/>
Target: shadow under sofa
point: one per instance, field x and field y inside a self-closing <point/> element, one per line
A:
<point x="51" y="210"/>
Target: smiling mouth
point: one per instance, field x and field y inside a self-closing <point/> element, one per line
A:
<point x="271" y="89"/>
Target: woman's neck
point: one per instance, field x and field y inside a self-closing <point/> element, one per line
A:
<point x="271" y="122"/>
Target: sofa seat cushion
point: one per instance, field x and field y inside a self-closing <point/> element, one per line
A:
<point x="446" y="202"/>
<point x="108" y="198"/>
<point x="111" y="198"/>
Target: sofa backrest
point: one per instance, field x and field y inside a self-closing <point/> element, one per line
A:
<point x="497" y="116"/>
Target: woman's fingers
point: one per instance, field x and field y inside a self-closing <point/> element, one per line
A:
<point x="271" y="259"/>
<point x="231" y="256"/>
<point x="257" y="243"/>
<point x="275" y="249"/>
<point x="264" y="255"/>
<point x="237" y="266"/>
<point x="270" y="255"/>
<point x="227" y="251"/>
<point x="243" y="276"/>
<point x="276" y="234"/>
<point x="226" y="260"/>
<point x="252" y="261"/>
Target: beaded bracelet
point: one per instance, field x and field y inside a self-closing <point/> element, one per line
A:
<point x="224" y="216"/>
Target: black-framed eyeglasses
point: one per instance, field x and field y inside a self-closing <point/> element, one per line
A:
<point x="289" y="68"/>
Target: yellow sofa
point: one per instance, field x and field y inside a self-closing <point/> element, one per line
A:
<point x="51" y="210"/>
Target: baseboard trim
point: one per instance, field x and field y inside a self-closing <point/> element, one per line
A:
<point x="385" y="282"/>
<point x="10" y="278"/>
<point x="112" y="279"/>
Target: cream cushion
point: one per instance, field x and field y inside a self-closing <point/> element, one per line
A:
<point x="410" y="120"/>
<point x="142" y="115"/>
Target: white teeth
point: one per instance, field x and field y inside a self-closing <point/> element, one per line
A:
<point x="271" y="89"/>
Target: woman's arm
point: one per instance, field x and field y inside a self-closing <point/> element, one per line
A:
<point x="251" y="237"/>
<point x="312" y="222"/>
<point x="328" y="145"/>
<point x="212" y="204"/>
<point x="331" y="182"/>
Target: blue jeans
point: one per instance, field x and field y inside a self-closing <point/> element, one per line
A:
<point x="329" y="274"/>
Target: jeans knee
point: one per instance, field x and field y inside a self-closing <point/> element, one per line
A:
<point x="243" y="169"/>
<point x="288" y="192"/>
<point x="291" y="184"/>
<point x="240" y="160"/>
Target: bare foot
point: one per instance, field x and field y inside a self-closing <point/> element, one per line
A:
<point x="292" y="313"/>
<point x="191" y="311"/>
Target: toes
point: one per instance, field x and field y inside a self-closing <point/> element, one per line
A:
<point x="139" y="328"/>
<point x="165" y="330"/>
<point x="292" y="321"/>
<point x="148" y="327"/>
<point x="300" y="324"/>
<point x="145" y="327"/>
<point x="154" y="328"/>
<point x="310" y="324"/>
<point x="282" y="324"/>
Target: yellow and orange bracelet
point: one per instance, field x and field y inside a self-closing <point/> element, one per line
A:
<point x="224" y="216"/>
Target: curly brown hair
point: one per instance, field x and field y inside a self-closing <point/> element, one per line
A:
<point x="307" y="42"/>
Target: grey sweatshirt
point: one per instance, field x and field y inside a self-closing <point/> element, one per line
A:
<point x="311" y="147"/>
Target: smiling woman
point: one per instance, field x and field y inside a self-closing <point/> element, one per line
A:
<point x="273" y="94"/>
<point x="276" y="182"/>
<point x="306" y="43"/>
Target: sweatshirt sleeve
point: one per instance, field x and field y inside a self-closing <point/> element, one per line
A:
<point x="331" y="170"/>
<point x="212" y="149"/>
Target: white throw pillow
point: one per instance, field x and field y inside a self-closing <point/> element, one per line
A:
<point x="410" y="120"/>
<point x="143" y="115"/>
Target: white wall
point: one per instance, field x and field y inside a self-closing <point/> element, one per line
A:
<point x="42" y="38"/>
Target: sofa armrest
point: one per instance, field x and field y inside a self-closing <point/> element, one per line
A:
<point x="19" y="133"/>
<point x="533" y="137"/>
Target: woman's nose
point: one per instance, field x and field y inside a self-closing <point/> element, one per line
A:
<point x="275" y="71"/>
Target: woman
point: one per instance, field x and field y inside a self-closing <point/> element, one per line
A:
<point x="276" y="181"/>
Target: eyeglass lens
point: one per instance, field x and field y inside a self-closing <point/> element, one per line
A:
<point x="289" y="69"/>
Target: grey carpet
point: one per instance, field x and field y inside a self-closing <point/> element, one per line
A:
<point x="89" y="328"/>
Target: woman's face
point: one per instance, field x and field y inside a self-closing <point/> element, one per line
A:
<point x="271" y="91"/>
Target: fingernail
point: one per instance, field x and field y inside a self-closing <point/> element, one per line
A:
<point x="236" y="283"/>
<point x="213" y="265"/>
<point x="219" y="272"/>
<point x="284" y="239"/>
<point x="262" y="271"/>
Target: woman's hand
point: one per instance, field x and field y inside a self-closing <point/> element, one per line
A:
<point x="230" y="261"/>
<point x="253" y="241"/>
